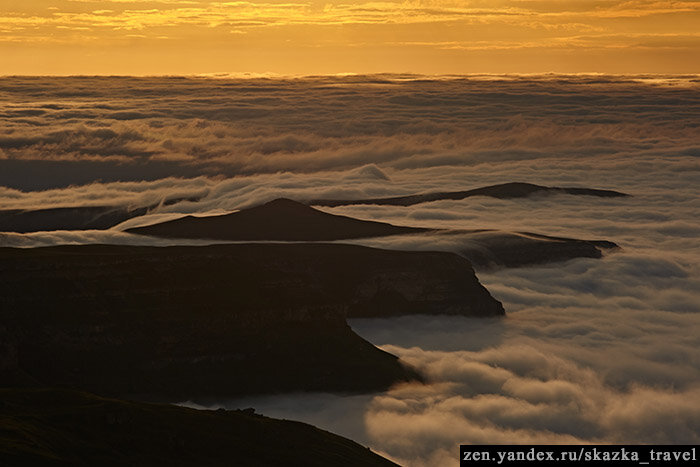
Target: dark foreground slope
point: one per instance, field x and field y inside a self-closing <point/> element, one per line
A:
<point x="68" y="428"/>
<point x="281" y="219"/>
<point x="220" y="320"/>
<point x="502" y="191"/>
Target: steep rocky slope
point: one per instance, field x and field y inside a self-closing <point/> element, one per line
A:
<point x="218" y="320"/>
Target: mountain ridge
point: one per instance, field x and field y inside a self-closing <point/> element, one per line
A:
<point x="281" y="219"/>
<point x="218" y="320"/>
<point x="507" y="190"/>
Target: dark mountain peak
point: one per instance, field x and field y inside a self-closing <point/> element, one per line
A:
<point x="281" y="206"/>
<point x="280" y="219"/>
<point x="282" y="203"/>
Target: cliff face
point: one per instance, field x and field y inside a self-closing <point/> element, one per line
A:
<point x="218" y="320"/>
<point x="419" y="283"/>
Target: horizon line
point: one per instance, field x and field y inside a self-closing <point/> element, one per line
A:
<point x="387" y="75"/>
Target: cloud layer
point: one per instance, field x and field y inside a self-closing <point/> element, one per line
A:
<point x="590" y="351"/>
<point x="602" y="351"/>
<point x="85" y="129"/>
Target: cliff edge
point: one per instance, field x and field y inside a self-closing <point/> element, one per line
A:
<point x="220" y="320"/>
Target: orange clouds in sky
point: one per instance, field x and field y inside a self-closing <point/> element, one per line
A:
<point x="336" y="36"/>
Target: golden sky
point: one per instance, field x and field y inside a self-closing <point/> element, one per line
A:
<point x="348" y="36"/>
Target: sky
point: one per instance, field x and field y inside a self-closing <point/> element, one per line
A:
<point x="287" y="37"/>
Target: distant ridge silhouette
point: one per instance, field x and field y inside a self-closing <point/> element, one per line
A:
<point x="281" y="219"/>
<point x="75" y="217"/>
<point x="502" y="191"/>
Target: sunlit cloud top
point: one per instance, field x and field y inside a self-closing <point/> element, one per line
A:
<point x="332" y="36"/>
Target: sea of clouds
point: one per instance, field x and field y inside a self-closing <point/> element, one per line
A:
<point x="591" y="350"/>
<point x="74" y="130"/>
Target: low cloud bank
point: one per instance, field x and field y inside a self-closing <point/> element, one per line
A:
<point x="63" y="131"/>
<point x="591" y="350"/>
<point x="581" y="357"/>
<point x="86" y="237"/>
